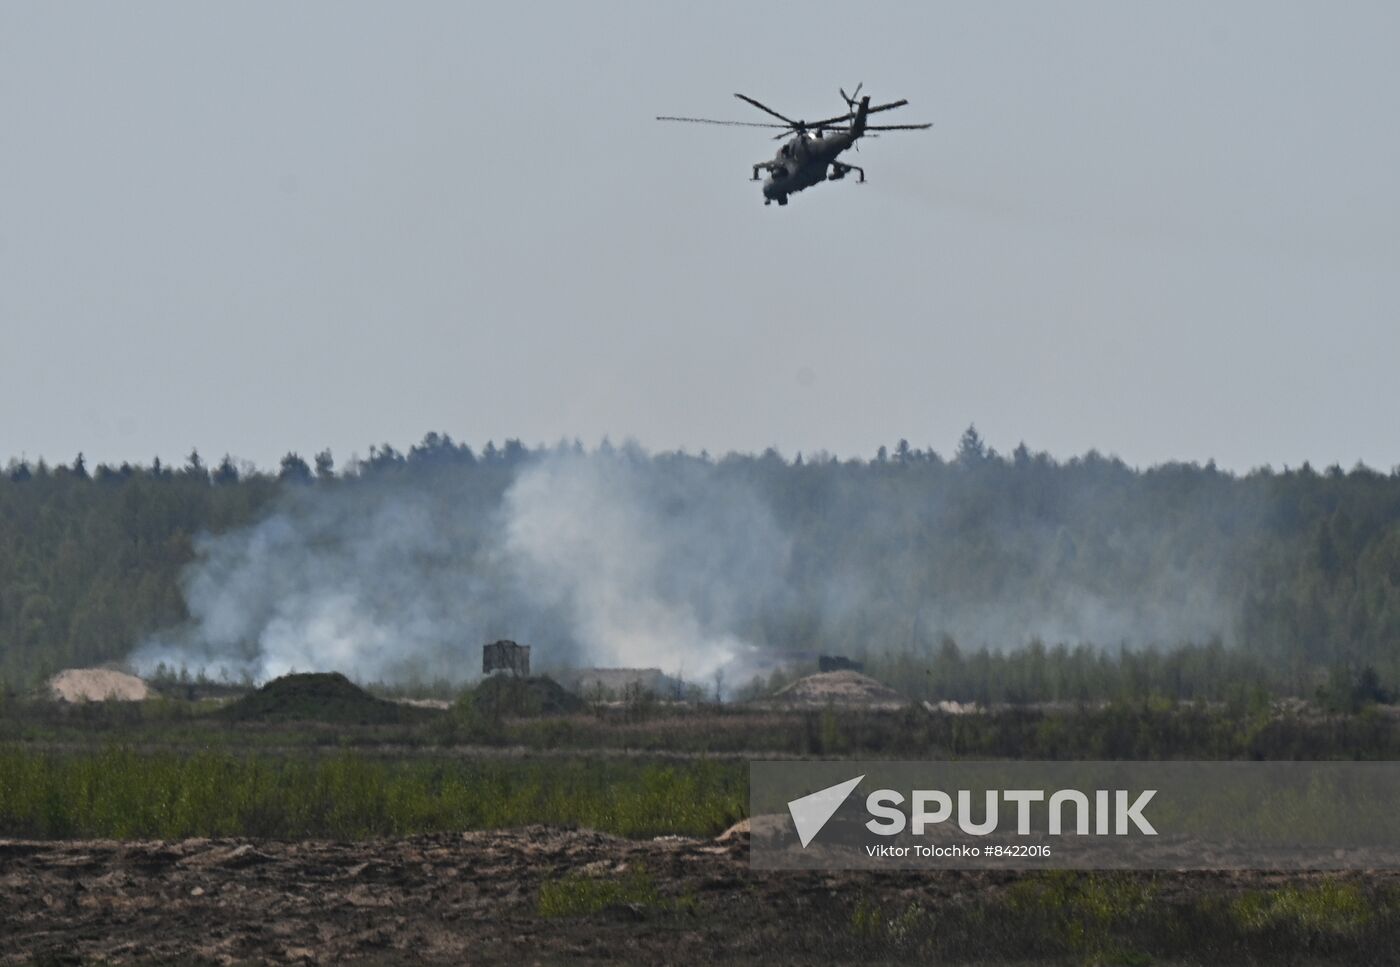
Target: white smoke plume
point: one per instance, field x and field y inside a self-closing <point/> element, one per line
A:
<point x="606" y="560"/>
<point x="696" y="567"/>
<point x="652" y="569"/>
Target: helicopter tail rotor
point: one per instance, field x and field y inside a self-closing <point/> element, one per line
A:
<point x="851" y="98"/>
<point x="861" y="109"/>
<point x="858" y="107"/>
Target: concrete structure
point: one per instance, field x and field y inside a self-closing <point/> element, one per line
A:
<point x="505" y="656"/>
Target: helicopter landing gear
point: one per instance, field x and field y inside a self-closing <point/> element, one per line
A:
<point x="840" y="170"/>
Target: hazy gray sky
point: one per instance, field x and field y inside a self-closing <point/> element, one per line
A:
<point x="1164" y="231"/>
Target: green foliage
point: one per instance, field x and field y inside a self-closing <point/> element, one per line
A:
<point x="639" y="703"/>
<point x="1151" y="729"/>
<point x="126" y="794"/>
<point x="1143" y="730"/>
<point x="1082" y="913"/>
<point x="581" y="895"/>
<point x="872" y="922"/>
<point x="1309" y="563"/>
<point x="1348" y="692"/>
<point x="88" y="566"/>
<point x="1037" y="674"/>
<point x="500" y="696"/>
<point x="1126" y="919"/>
<point x="1328" y="909"/>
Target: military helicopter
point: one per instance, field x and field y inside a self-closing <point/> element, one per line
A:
<point x="811" y="155"/>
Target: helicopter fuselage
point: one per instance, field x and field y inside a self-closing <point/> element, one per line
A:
<point x="803" y="162"/>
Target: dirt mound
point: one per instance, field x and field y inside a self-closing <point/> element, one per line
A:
<point x="509" y="695"/>
<point x="98" y="685"/>
<point x="846" y="688"/>
<point x="738" y="833"/>
<point x="319" y="697"/>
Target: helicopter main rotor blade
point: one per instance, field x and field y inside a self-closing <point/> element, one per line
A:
<point x="765" y="107"/>
<point x="737" y="124"/>
<point x="850" y="115"/>
<point x="890" y="127"/>
<point x="886" y="107"/>
<point x="828" y="122"/>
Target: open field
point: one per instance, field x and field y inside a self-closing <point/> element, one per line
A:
<point x="321" y="828"/>
<point x="353" y="796"/>
<point x="549" y="895"/>
<point x="1142" y="729"/>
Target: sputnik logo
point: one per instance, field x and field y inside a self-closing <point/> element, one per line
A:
<point x="811" y="812"/>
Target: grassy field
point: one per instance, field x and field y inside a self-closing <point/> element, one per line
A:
<point x="319" y="758"/>
<point x="317" y="770"/>
<point x="1130" y="730"/>
<point x="125" y="794"/>
<point x="1094" y="918"/>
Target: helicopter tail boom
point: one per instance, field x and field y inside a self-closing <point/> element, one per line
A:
<point x="858" y="123"/>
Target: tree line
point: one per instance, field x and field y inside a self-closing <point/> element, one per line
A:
<point x="976" y="576"/>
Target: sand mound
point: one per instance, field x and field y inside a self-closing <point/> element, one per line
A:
<point x="319" y="697"/>
<point x="441" y="704"/>
<point x="845" y="688"/>
<point x="98" y="685"/>
<point x="739" y="832"/>
<point x="949" y="707"/>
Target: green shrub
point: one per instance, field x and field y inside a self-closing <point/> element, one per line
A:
<point x="579" y="895"/>
<point x="1328" y="909"/>
<point x="125" y="794"/>
<point x="501" y="696"/>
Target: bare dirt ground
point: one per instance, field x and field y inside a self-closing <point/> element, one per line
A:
<point x="469" y="898"/>
<point x="437" y="899"/>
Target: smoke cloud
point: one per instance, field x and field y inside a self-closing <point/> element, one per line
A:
<point x="619" y="559"/>
<point x="602" y="560"/>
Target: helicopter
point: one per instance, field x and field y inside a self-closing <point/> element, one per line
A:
<point x="810" y="156"/>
